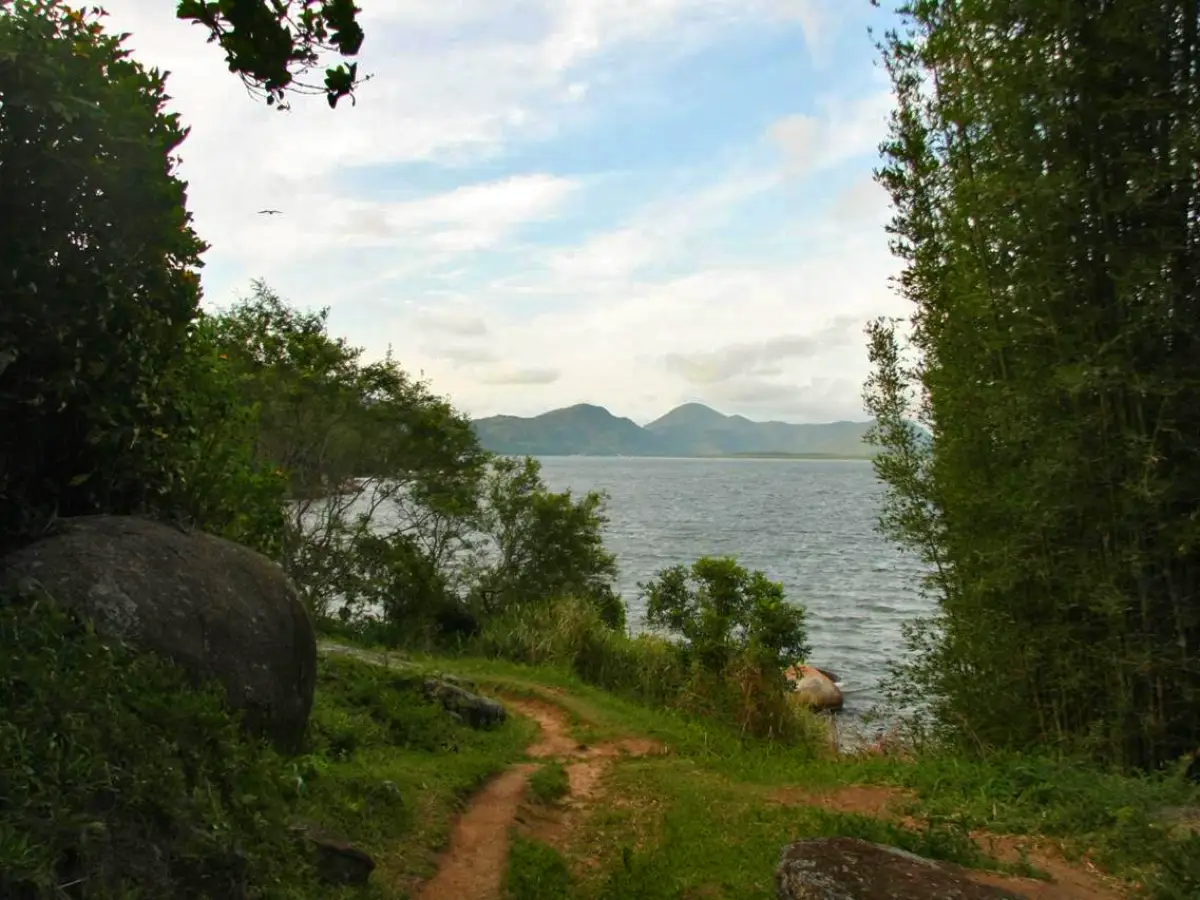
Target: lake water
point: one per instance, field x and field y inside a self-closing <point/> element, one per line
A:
<point x="809" y="524"/>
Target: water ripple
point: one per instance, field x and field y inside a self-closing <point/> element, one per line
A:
<point x="807" y="523"/>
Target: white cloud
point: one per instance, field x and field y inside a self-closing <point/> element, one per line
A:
<point x="451" y="321"/>
<point x="659" y="232"/>
<point x="841" y="130"/>
<point x="521" y="377"/>
<point x="758" y="357"/>
<point x="458" y="85"/>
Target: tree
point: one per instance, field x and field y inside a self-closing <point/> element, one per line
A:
<point x="383" y="476"/>
<point x="537" y="546"/>
<point x="224" y="485"/>
<point x="273" y="44"/>
<point x="98" y="268"/>
<point x="722" y="611"/>
<point x="1041" y="165"/>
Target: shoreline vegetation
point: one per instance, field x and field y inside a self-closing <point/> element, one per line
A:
<point x="1056" y="750"/>
<point x="748" y="455"/>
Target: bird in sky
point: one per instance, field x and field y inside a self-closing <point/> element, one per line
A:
<point x="270" y="212"/>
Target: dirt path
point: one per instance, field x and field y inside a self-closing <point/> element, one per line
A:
<point x="1069" y="880"/>
<point x="473" y="866"/>
<point x="474" y="863"/>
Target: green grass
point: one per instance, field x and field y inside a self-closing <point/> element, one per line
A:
<point x="121" y="777"/>
<point x="700" y="822"/>
<point x="537" y="872"/>
<point x="685" y="831"/>
<point x="549" y="783"/>
<point x="388" y="771"/>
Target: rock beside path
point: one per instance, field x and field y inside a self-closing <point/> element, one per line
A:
<point x="217" y="609"/>
<point x="475" y="710"/>
<point x="340" y="863"/>
<point x="843" y="868"/>
<point x="337" y="861"/>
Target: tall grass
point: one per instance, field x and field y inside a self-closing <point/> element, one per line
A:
<point x="651" y="670"/>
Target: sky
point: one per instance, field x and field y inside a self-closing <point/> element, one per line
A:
<point x="536" y="203"/>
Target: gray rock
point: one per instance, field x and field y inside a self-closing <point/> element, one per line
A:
<point x="341" y="863"/>
<point x="844" y="868"/>
<point x="217" y="609"/>
<point x="464" y="683"/>
<point x="337" y="861"/>
<point x="476" y="711"/>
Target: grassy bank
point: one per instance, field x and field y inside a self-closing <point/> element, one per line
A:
<point x="389" y="772"/>
<point x="709" y="818"/>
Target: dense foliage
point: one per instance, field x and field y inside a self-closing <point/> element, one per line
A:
<point x="723" y="611"/>
<point x="118" y="395"/>
<point x="723" y="638"/>
<point x="397" y="520"/>
<point x="536" y="546"/>
<point x="273" y="45"/>
<point x="1042" y="167"/>
<point x="98" y="272"/>
<point x="120" y="779"/>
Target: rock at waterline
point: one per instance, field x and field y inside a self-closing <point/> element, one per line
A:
<point x="844" y="868"/>
<point x="217" y="609"/>
<point x="476" y="711"/>
<point x="814" y="687"/>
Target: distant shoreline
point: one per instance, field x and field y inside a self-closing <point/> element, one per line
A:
<point x="788" y="456"/>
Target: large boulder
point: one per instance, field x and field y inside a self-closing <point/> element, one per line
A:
<point x="815" y="687"/>
<point x="219" y="610"/>
<point x="842" y="868"/>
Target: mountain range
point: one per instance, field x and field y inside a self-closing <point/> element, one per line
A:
<point x="689" y="430"/>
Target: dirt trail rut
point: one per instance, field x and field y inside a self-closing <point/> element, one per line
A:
<point x="473" y="866"/>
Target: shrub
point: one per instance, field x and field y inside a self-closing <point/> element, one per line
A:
<point x="724" y="612"/>
<point x="537" y="546"/>
<point x="97" y="275"/>
<point x="651" y="669"/>
<point x="122" y="779"/>
<point x="738" y="635"/>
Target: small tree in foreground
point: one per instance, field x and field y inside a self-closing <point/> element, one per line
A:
<point x="739" y="634"/>
<point x="722" y="611"/>
<point x="536" y="545"/>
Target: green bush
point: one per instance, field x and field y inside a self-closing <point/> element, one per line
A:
<point x="97" y="271"/>
<point x="738" y="635"/>
<point x="537" y="871"/>
<point x="373" y="704"/>
<point x="536" y="546"/>
<point x="651" y="669"/>
<point x="121" y="779"/>
<point x="722" y="612"/>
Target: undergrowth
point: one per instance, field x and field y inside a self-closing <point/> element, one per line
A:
<point x="722" y="782"/>
<point x="120" y="779"/>
<point x="387" y="770"/>
<point x="537" y="871"/>
<point x="653" y="671"/>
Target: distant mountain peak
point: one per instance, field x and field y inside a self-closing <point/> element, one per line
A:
<point x="692" y="429"/>
<point x="689" y="415"/>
